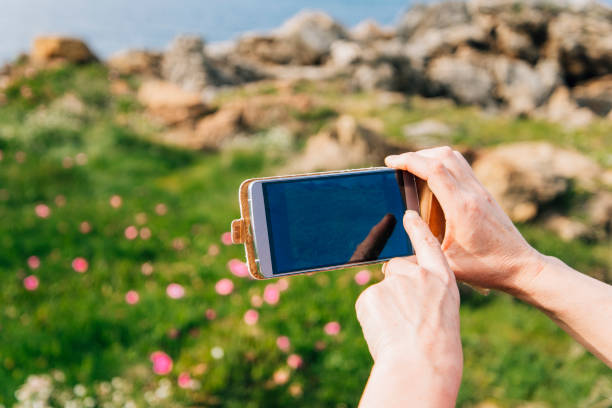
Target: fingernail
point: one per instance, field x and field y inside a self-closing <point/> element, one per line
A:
<point x="391" y="159"/>
<point x="384" y="268"/>
<point x="411" y="214"/>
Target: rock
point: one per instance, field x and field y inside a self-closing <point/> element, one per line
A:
<point x="69" y="103"/>
<point x="466" y="82"/>
<point x="346" y="145"/>
<point x="248" y="115"/>
<point x="135" y="62"/>
<point x="427" y="133"/>
<point x="305" y="39"/>
<point x="599" y="210"/>
<point x="369" y="30"/>
<point x="170" y="103"/>
<point x="595" y="94"/>
<point x="55" y="48"/>
<point x="561" y="108"/>
<point x="312" y="34"/>
<point x="344" y="53"/>
<point x="367" y="77"/>
<point x="213" y="130"/>
<point x="514" y="43"/>
<point x="184" y="63"/>
<point x="522" y="86"/>
<point x="523" y="176"/>
<point x="567" y="228"/>
<point x="438" y="16"/>
<point x="582" y="43"/>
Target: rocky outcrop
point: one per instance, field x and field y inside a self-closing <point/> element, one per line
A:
<point x="170" y="103"/>
<point x="305" y="39"/>
<point x="52" y="49"/>
<point x="346" y="145"/>
<point x="184" y="63"/>
<point x="135" y="62"/>
<point x="523" y="177"/>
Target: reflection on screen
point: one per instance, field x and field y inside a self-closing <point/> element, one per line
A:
<point x="334" y="220"/>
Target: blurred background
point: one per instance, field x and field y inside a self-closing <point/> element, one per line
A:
<point x="127" y="127"/>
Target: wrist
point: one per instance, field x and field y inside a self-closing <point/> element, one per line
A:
<point x="423" y="382"/>
<point x="525" y="274"/>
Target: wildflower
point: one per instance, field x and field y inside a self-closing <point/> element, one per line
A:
<point x="131" y="232"/>
<point x="162" y="363"/>
<point x="132" y="297"/>
<point x="362" y="277"/>
<point x="332" y="328"/>
<point x="115" y="201"/>
<point x="238" y="268"/>
<point x="33" y="262"/>
<point x="294" y="361"/>
<point x="80" y="265"/>
<point x="283" y="343"/>
<point x="251" y="316"/>
<point x="175" y="291"/>
<point x="224" y="287"/>
<point x="42" y="210"/>
<point x="30" y="282"/>
<point x="226" y="238"/>
<point x="271" y="294"/>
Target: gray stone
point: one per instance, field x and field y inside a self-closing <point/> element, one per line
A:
<point x="464" y="81"/>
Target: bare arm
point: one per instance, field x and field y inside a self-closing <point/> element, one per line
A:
<point x="484" y="248"/>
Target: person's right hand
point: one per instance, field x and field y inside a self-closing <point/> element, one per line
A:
<point x="481" y="244"/>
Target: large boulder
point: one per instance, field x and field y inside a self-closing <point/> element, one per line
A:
<point x="463" y="80"/>
<point x="135" y="62"/>
<point x="347" y="144"/>
<point x="582" y="43"/>
<point x="563" y="109"/>
<point x="305" y="39"/>
<point x="184" y="63"/>
<point x="170" y="103"/>
<point x="249" y="115"/>
<point x="524" y="176"/>
<point x="56" y="48"/>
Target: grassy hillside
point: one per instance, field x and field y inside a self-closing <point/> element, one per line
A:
<point x="80" y="175"/>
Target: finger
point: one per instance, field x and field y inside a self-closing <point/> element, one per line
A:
<point x="426" y="246"/>
<point x="453" y="161"/>
<point x="439" y="179"/>
<point x="401" y="266"/>
<point x="411" y="258"/>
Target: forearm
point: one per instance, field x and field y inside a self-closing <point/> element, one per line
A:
<point x="579" y="304"/>
<point x="391" y="385"/>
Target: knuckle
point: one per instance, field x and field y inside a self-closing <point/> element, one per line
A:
<point x="438" y="168"/>
<point x="446" y="151"/>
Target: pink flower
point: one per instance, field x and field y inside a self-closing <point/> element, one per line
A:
<point x="238" y="268"/>
<point x="226" y="238"/>
<point x="85" y="227"/>
<point x="224" y="287"/>
<point x="115" y="201"/>
<point x="294" y="361"/>
<point x="175" y="291"/>
<point x="145" y="233"/>
<point x="271" y="294"/>
<point x="80" y="265"/>
<point x="162" y="363"/>
<point x="161" y="209"/>
<point x="362" y="277"/>
<point x="42" y="210"/>
<point x="81" y="158"/>
<point x="211" y="314"/>
<point x="33" y="262"/>
<point x="30" y="283"/>
<point x="131" y="232"/>
<point x="283" y="343"/>
<point x="132" y="297"/>
<point x="332" y="328"/>
<point x="184" y="380"/>
<point x="146" y="269"/>
<point x="251" y="316"/>
<point x="282" y="284"/>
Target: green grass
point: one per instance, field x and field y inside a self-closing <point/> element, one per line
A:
<point x="81" y="325"/>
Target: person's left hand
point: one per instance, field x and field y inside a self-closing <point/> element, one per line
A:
<point x="410" y="321"/>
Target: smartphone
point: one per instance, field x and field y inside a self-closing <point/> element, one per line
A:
<point x="328" y="221"/>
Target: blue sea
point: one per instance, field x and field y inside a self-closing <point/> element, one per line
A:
<point x="112" y="25"/>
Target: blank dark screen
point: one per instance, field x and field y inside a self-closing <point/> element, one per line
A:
<point x="333" y="220"/>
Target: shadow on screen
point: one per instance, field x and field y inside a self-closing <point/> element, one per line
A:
<point x="370" y="248"/>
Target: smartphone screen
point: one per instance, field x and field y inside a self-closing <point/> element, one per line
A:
<point x="317" y="222"/>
